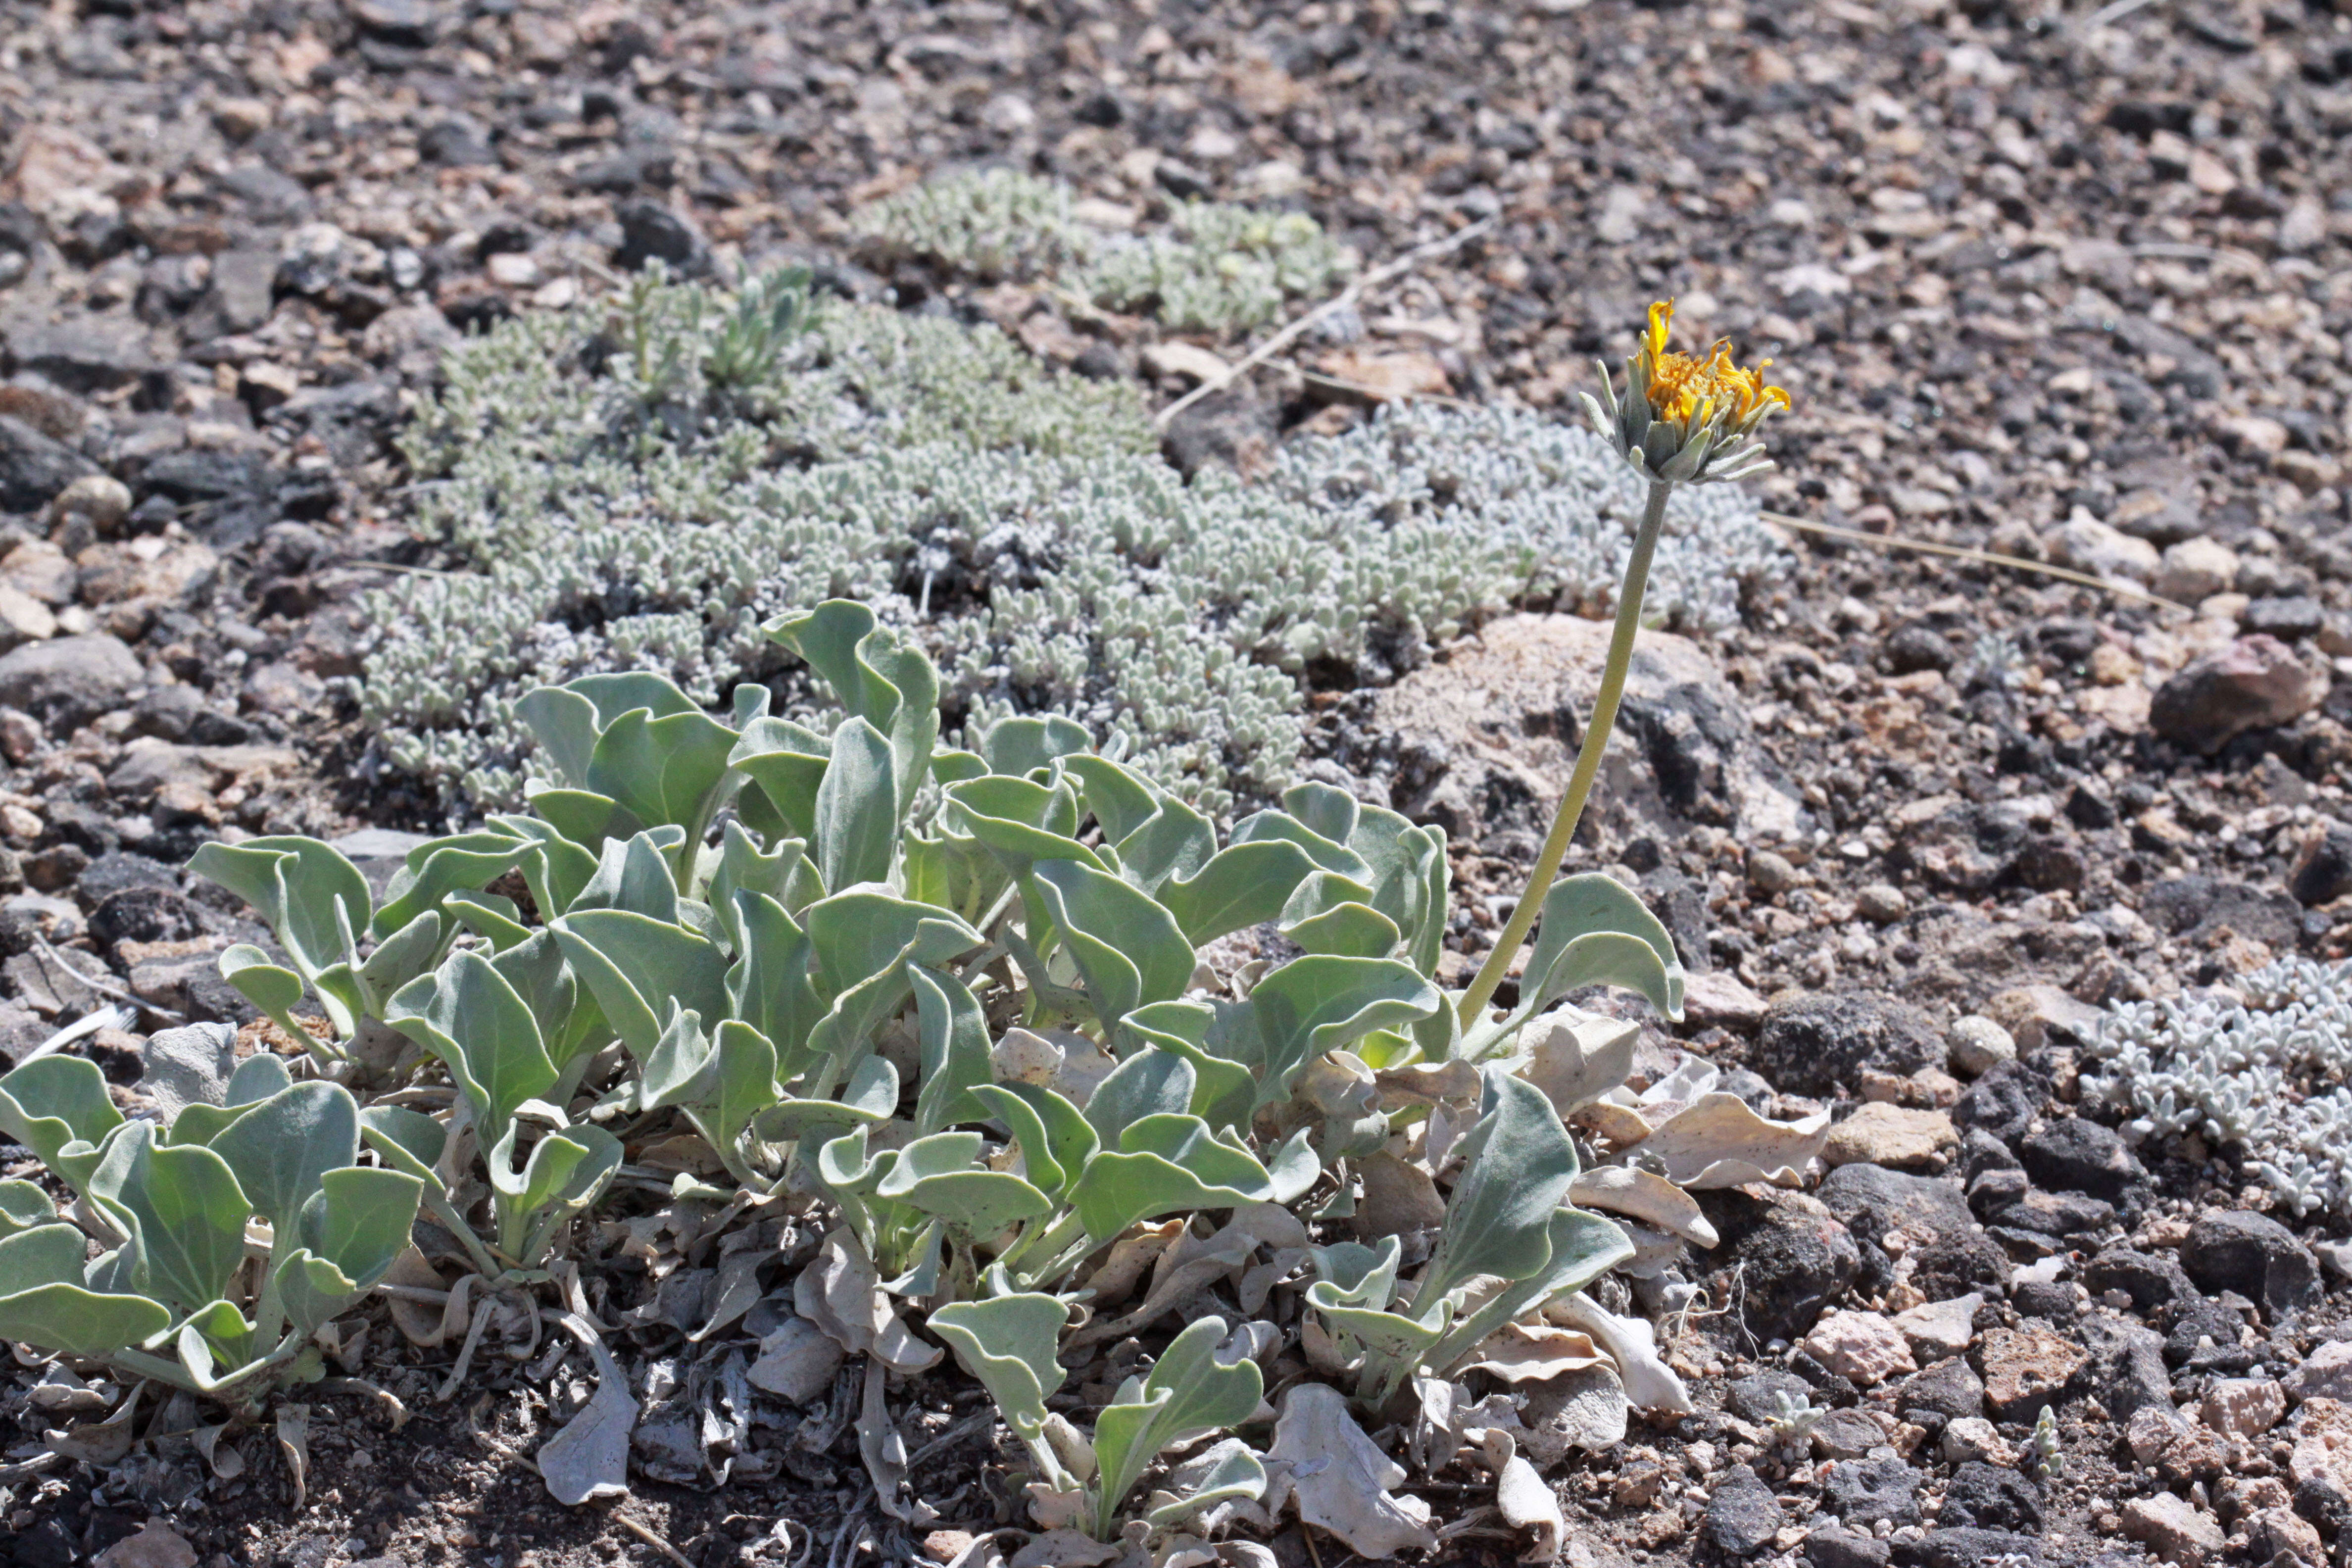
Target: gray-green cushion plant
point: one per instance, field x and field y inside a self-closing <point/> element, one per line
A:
<point x="169" y="1297"/>
<point x="816" y="943"/>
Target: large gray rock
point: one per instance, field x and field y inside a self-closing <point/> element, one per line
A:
<point x="1815" y="1044"/>
<point x="34" y="467"/>
<point x="69" y="681"/>
<point x="1488" y="739"/>
<point x="2254" y="1255"/>
<point x="2254" y="683"/>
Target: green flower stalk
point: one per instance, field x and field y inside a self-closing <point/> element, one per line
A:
<point x="1682" y="421"/>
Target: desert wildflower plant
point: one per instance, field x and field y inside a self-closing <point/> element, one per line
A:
<point x="909" y="1048"/>
<point x="1682" y="420"/>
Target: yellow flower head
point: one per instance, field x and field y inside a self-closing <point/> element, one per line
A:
<point x="1684" y="419"/>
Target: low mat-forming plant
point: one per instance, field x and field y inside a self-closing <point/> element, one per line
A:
<point x="627" y="506"/>
<point x="979" y="1004"/>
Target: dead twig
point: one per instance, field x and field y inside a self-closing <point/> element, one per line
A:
<point x="1982" y="557"/>
<point x="650" y="1538"/>
<point x="1339" y="301"/>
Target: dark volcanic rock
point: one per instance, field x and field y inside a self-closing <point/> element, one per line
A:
<point x="1742" y="1514"/>
<point x="34" y="467"/>
<point x="1814" y="1044"/>
<point x="2150" y="1281"/>
<point x="1755" y="1397"/>
<point x="1828" y="1547"/>
<point x="650" y="231"/>
<point x="1949" y="1390"/>
<point x="2127" y="1367"/>
<point x="2194" y="907"/>
<point x="69" y="681"/>
<point x="2323" y="872"/>
<point x="2255" y="682"/>
<point x="2075" y="1155"/>
<point x="1950" y="1255"/>
<point x="2001" y="1104"/>
<point x="1991" y="1498"/>
<point x="1795" y="1257"/>
<point x="1864" y="1491"/>
<point x="2249" y="1252"/>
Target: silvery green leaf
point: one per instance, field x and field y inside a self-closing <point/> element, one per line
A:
<point x="1117" y="797"/>
<point x="24" y="1205"/>
<point x="788" y="762"/>
<point x="1347" y="930"/>
<point x="1128" y="947"/>
<point x="43" y="1301"/>
<point x="216" y="1344"/>
<point x="664" y="771"/>
<point x="57" y="1107"/>
<point x="1010" y="1344"/>
<point x="1240" y="885"/>
<point x="632" y="873"/>
<point x="1028" y="744"/>
<point x="406" y="1140"/>
<point x="554" y="868"/>
<point x="350" y="1231"/>
<point x="469" y="1016"/>
<point x="1164" y="1163"/>
<point x="943" y="1174"/>
<point x="636" y="967"/>
<point x="181" y="1209"/>
<point x="951" y="1030"/>
<point x="493" y="917"/>
<point x="1313" y="1005"/>
<point x="412" y="949"/>
<point x="431" y="871"/>
<point x="1054" y="1137"/>
<point x="781" y="873"/>
<point x="1595" y="904"/>
<point x="1151" y="1082"/>
<point x="857" y="808"/>
<point x="1517" y="1165"/>
<point x="1294" y="1167"/>
<point x="870" y="1095"/>
<point x="1020" y="820"/>
<point x="580" y="816"/>
<point x="256" y="1078"/>
<point x="1194" y="1388"/>
<point x="1322" y="809"/>
<point x="1221" y="1473"/>
<point x="280" y="1148"/>
<point x="1266" y="827"/>
<point x="768" y="985"/>
<point x="1223" y="1092"/>
<point x="313" y="900"/>
<point x="1581" y="1247"/>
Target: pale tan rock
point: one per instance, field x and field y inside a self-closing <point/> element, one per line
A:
<point x="23" y="618"/>
<point x="1863" y="1346"/>
<point x="2326" y="1374"/>
<point x="1717" y="999"/>
<point x="1180" y="360"/>
<point x="2026" y="1368"/>
<point x="1940" y="1329"/>
<point x="2173" y="1529"/>
<point x="1892" y="1135"/>
<point x="2196" y="569"/>
<point x="2030" y="1012"/>
<point x="1974" y="1438"/>
<point x="2321" y="1454"/>
<point x="2246" y="1407"/>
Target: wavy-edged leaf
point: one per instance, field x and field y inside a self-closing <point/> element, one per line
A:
<point x="1517" y="1165"/>
<point x="1576" y="911"/>
<point x="635" y="966"/>
<point x="1194" y="1387"/>
<point x="24" y="1206"/>
<point x="281" y="1149"/>
<point x="1009" y="1343"/>
<point x="856" y="823"/>
<point x="1054" y="1138"/>
<point x="1240" y="886"/>
<point x="942" y="1176"/>
<point x="1223" y="1092"/>
<point x="1313" y="1005"/>
<point x="951" y="1030"/>
<point x="1130" y="950"/>
<point x="433" y="870"/>
<point x="43" y="1301"/>
<point x="58" y="1106"/>
<point x="1164" y="1163"/>
<point x="183" y="1210"/>
<point x="468" y="1014"/>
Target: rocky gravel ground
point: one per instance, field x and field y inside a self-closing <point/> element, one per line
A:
<point x="2058" y="290"/>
